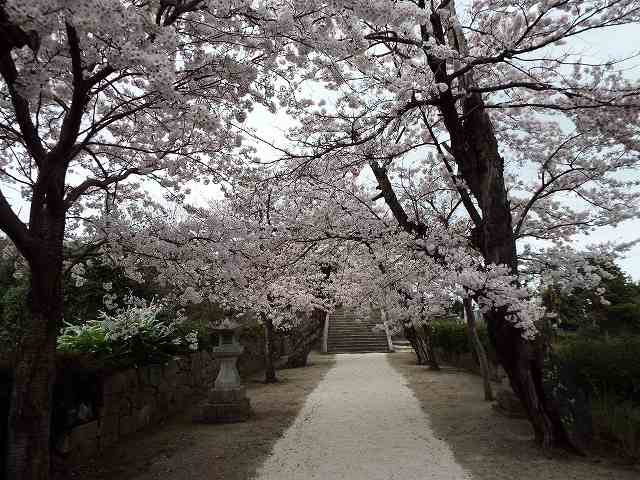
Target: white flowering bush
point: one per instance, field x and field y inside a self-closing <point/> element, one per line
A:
<point x="141" y="330"/>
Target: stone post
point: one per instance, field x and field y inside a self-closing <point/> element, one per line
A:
<point x="227" y="401"/>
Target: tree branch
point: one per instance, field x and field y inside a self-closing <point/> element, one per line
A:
<point x="28" y="130"/>
<point x="15" y="229"/>
<point x="73" y="117"/>
<point x="78" y="191"/>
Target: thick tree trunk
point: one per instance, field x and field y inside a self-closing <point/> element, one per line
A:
<point x="30" y="411"/>
<point x="474" y="147"/>
<point x="305" y="337"/>
<point x="483" y="170"/>
<point x="479" y="349"/>
<point x="28" y="455"/>
<point x="269" y="364"/>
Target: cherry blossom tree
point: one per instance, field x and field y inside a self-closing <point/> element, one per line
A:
<point x="486" y="93"/>
<point x="95" y="94"/>
<point x="245" y="253"/>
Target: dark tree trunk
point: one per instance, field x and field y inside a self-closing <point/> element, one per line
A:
<point x="416" y="343"/>
<point x="305" y="338"/>
<point x="432" y="361"/>
<point x="28" y="454"/>
<point x="269" y="364"/>
<point x="474" y="148"/>
<point x="483" y="169"/>
<point x="30" y="411"/>
<point x="479" y="349"/>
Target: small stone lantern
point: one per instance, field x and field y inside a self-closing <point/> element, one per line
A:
<point x="227" y="402"/>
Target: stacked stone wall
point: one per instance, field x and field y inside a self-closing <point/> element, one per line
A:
<point x="132" y="399"/>
<point x="94" y="407"/>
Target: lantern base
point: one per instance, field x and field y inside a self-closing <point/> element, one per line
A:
<point x="225" y="406"/>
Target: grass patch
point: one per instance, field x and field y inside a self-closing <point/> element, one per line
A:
<point x="617" y="422"/>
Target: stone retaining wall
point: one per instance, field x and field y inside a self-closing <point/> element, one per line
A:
<point x="93" y="407"/>
<point x="132" y="399"/>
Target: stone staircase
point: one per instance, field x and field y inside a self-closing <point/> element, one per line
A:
<point x="401" y="344"/>
<point x="349" y="332"/>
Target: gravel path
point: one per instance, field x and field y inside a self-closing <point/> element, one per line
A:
<point x="361" y="422"/>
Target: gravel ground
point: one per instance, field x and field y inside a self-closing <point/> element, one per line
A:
<point x="361" y="422"/>
<point x="489" y="445"/>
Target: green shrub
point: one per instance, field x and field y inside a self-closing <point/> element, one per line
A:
<point x="623" y="316"/>
<point x="139" y="333"/>
<point x="13" y="308"/>
<point x="618" y="420"/>
<point x="88" y="338"/>
<point x="605" y="365"/>
<point x="452" y="337"/>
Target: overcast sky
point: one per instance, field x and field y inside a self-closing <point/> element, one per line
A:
<point x="619" y="42"/>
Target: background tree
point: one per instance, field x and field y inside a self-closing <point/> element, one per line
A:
<point x="612" y="306"/>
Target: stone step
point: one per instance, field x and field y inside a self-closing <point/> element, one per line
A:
<point x="338" y="338"/>
<point x="351" y="320"/>
<point x="363" y="342"/>
<point x="353" y="324"/>
<point x="354" y="317"/>
<point x="363" y="331"/>
<point x="355" y="332"/>
<point x="347" y="331"/>
<point x="359" y="350"/>
<point x="359" y="336"/>
<point x="338" y="346"/>
<point x="356" y="335"/>
<point x="353" y="329"/>
<point x="358" y="340"/>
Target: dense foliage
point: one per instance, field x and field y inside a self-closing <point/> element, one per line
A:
<point x="605" y="365"/>
<point x="609" y="368"/>
<point x="13" y="298"/>
<point x="142" y="331"/>
<point x="452" y="337"/>
<point x="613" y="306"/>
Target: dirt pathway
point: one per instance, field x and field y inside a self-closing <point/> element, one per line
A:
<point x="487" y="444"/>
<point x="361" y="423"/>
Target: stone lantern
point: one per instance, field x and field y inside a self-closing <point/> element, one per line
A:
<point x="227" y="401"/>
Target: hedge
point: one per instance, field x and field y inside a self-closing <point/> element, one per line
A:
<point x="452" y="337"/>
<point x="607" y="368"/>
<point x="605" y="365"/>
